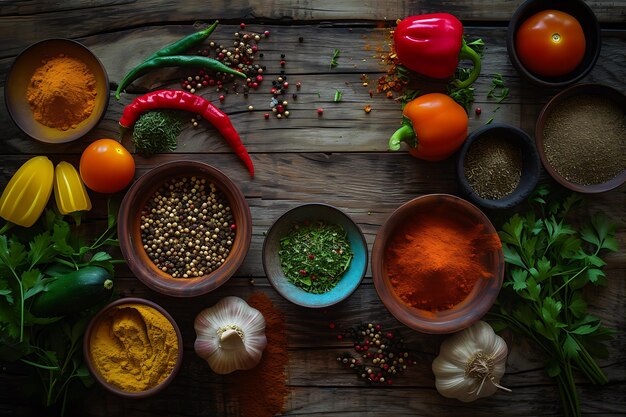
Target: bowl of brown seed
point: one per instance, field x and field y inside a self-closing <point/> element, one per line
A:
<point x="581" y="138"/>
<point x="498" y="166"/>
<point x="184" y="228"/>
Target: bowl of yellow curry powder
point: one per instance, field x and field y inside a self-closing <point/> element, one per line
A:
<point x="133" y="347"/>
<point x="56" y="90"/>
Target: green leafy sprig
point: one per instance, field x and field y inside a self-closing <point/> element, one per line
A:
<point x="334" y="60"/>
<point x="548" y="263"/>
<point x="30" y="260"/>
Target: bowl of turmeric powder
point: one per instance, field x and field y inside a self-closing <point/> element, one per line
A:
<point x="437" y="264"/>
<point x="56" y="90"/>
<point x="133" y="347"/>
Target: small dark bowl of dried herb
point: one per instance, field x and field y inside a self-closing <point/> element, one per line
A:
<point x="498" y="166"/>
<point x="581" y="138"/>
<point x="314" y="255"/>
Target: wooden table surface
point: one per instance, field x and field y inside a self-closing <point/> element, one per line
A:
<point x="339" y="159"/>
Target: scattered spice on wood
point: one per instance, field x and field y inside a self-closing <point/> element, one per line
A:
<point x="262" y="391"/>
<point x="380" y="355"/>
<point x="493" y="166"/>
<point x="315" y="255"/>
<point x="585" y="139"/>
<point x="434" y="261"/>
<point x="187" y="227"/>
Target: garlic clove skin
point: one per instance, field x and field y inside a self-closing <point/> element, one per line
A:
<point x="230" y="335"/>
<point x="471" y="363"/>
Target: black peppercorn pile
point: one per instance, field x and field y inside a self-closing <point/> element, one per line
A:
<point x="187" y="228"/>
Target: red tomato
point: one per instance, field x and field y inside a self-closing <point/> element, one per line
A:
<point x="106" y="166"/>
<point x="550" y="43"/>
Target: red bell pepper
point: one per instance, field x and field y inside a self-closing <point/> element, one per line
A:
<point x="432" y="45"/>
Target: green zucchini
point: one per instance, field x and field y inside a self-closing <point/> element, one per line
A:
<point x="73" y="292"/>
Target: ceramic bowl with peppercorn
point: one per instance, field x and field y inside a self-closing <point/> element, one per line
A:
<point x="315" y="255"/>
<point x="498" y="166"/>
<point x="184" y="228"/>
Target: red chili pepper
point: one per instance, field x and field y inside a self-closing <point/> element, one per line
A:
<point x="182" y="100"/>
<point x="432" y="44"/>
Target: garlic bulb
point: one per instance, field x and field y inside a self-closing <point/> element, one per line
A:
<point x="471" y="363"/>
<point x="230" y="335"/>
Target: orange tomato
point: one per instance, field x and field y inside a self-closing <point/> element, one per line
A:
<point x="106" y="166"/>
<point x="550" y="43"/>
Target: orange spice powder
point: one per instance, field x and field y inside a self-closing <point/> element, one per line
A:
<point x="262" y="391"/>
<point x="434" y="262"/>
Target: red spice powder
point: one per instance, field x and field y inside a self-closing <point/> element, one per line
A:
<point x="262" y="391"/>
<point x="435" y="261"/>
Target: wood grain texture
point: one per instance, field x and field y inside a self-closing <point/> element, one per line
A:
<point x="339" y="159"/>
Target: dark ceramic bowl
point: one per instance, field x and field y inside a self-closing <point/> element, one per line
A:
<point x="94" y="371"/>
<point x="591" y="28"/>
<point x="130" y="235"/>
<point x="531" y="167"/>
<point x="18" y="79"/>
<point x="479" y="300"/>
<point x="329" y="215"/>
<point x="556" y="102"/>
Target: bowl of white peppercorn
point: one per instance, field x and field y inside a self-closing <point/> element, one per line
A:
<point x="184" y="228"/>
<point x="498" y="166"/>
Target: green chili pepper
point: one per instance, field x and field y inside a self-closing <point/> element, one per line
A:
<point x="175" y="61"/>
<point x="185" y="43"/>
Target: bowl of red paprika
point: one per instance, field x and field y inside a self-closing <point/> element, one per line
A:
<point x="437" y="264"/>
<point x="553" y="43"/>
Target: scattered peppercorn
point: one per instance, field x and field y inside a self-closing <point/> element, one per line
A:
<point x="380" y="356"/>
<point x="478" y="111"/>
<point x="187" y="227"/>
<point x="320" y="111"/>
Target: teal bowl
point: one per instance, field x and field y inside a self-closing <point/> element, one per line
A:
<point x="329" y="215"/>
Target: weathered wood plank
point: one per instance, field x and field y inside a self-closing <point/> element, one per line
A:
<point x="344" y="125"/>
<point x="22" y="23"/>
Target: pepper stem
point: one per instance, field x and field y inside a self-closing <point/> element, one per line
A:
<point x="468" y="53"/>
<point x="404" y="134"/>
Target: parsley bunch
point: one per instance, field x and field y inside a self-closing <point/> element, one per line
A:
<point x="548" y="263"/>
<point x="30" y="260"/>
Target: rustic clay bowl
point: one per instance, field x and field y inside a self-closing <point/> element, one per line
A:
<point x="18" y="79"/>
<point x="130" y="236"/>
<point x="555" y="102"/>
<point x="477" y="303"/>
<point x="531" y="167"/>
<point x="87" y="355"/>
<point x="329" y="215"/>
<point x="587" y="19"/>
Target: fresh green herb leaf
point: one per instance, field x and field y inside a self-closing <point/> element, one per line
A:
<point x="338" y="96"/>
<point x="548" y="262"/>
<point x="498" y="90"/>
<point x="335" y="57"/>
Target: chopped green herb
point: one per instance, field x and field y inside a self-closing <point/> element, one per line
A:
<point x="338" y="96"/>
<point x="314" y="256"/>
<point x="548" y="264"/>
<point x="156" y="131"/>
<point x="498" y="90"/>
<point x="333" y="60"/>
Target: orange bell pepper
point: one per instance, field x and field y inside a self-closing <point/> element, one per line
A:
<point x="435" y="128"/>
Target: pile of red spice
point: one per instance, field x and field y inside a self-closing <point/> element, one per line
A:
<point x="434" y="262"/>
<point x="262" y="391"/>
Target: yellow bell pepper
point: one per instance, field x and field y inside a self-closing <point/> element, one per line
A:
<point x="28" y="192"/>
<point x="69" y="190"/>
